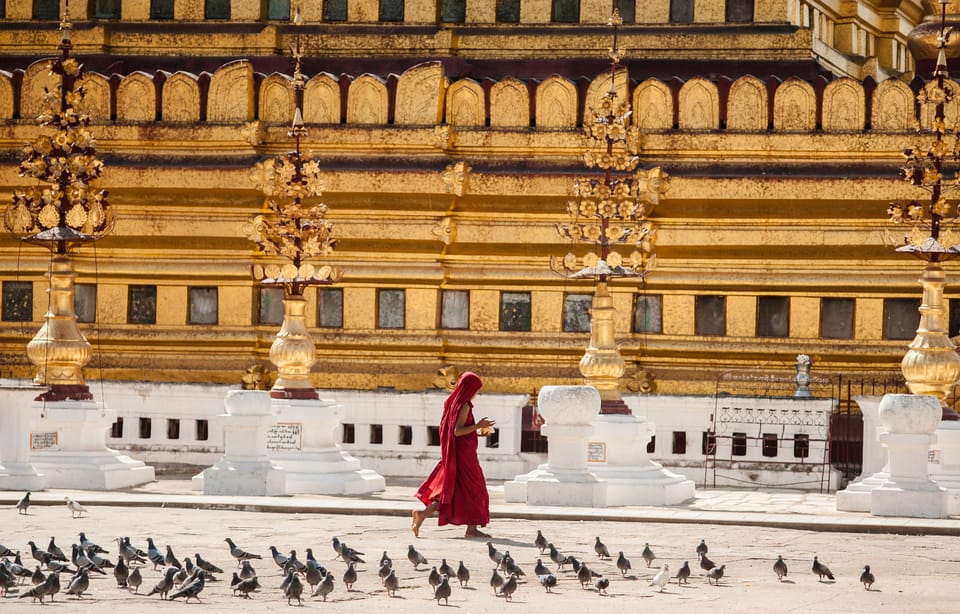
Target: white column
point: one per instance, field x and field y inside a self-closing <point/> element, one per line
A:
<point x="16" y="472"/>
<point x="945" y="461"/>
<point x="856" y="496"/>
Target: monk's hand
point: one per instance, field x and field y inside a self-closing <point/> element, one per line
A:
<point x="485" y="426"/>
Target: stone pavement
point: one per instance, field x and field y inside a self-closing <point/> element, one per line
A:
<point x="915" y="560"/>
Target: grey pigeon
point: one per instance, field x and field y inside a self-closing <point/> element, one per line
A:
<point x="7" y="581"/>
<point x="496" y="581"/>
<point x="683" y="574"/>
<point x="293" y="561"/>
<point x="867" y="578"/>
<point x="86" y="544"/>
<point x="22" y="506"/>
<point x="648" y="554"/>
<point x="154" y="554"/>
<point x="434" y="577"/>
<point x="623" y="564"/>
<point x="121" y="572"/>
<point x="584" y="576"/>
<point x="416" y="558"/>
<point x="392" y="583"/>
<point x="662" y="578"/>
<point x="325" y="588"/>
<point x="780" y="568"/>
<point x="38" y="554"/>
<point x="54" y="582"/>
<point x="350" y="577"/>
<point x="602" y="585"/>
<point x="134" y="580"/>
<point x="495" y="555"/>
<point x="706" y="564"/>
<point x="287" y="577"/>
<point x="163" y="587"/>
<point x="76" y="510"/>
<point x="247" y="570"/>
<point x="79" y="584"/>
<point x="510" y="566"/>
<point x="80" y="559"/>
<point x="41" y="590"/>
<point x="239" y="553"/>
<point x="61" y="567"/>
<point x="540" y="569"/>
<point x="4" y="551"/>
<point x="548" y="581"/>
<point x="715" y="574"/>
<point x="446" y="569"/>
<point x="17" y="569"/>
<point x="384" y="571"/>
<point x="443" y="591"/>
<point x="38" y="576"/>
<point x="170" y="559"/>
<point x="309" y="556"/>
<point x="55" y="552"/>
<point x="278" y="558"/>
<point x="206" y="565"/>
<point x="385" y="560"/>
<point x="294" y="588"/>
<point x="190" y="590"/>
<point x="349" y="555"/>
<point x="98" y="560"/>
<point x="504" y="559"/>
<point x="129" y="553"/>
<point x="821" y="570"/>
<point x="463" y="574"/>
<point x="244" y="586"/>
<point x="336" y="545"/>
<point x="702" y="549"/>
<point x="509" y="588"/>
<point x="540" y="542"/>
<point x="557" y="557"/>
<point x="313" y="575"/>
<point x="601" y="549"/>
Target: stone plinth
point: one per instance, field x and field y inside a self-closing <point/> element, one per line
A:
<point x="565" y="479"/>
<point x="16" y="416"/>
<point x="909" y="421"/>
<point x="245" y="468"/>
<point x="856" y="497"/>
<point x="944" y="462"/>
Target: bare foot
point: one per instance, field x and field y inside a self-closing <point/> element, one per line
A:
<point x="417" y="521"/>
<point x="475" y="533"/>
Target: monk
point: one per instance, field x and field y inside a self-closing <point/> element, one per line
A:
<point x="456" y="487"/>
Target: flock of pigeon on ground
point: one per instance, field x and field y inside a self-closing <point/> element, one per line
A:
<point x="187" y="578"/>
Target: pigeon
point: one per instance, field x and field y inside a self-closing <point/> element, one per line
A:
<point x="134" y="580"/>
<point x="867" y="578"/>
<point x="383" y="572"/>
<point x="349" y="555"/>
<point x="662" y="577"/>
<point x="623" y="564"/>
<point x="293" y="561"/>
<point x="294" y="588"/>
<point x="129" y="553"/>
<point x="602" y="585"/>
<point x="54" y="583"/>
<point x="278" y="558"/>
<point x="349" y="577"/>
<point x="4" y="551"/>
<point x="715" y="574"/>
<point x="7" y="581"/>
<point x="548" y="581"/>
<point x="495" y="555"/>
<point x="313" y="575"/>
<point x="247" y="571"/>
<point x="601" y="549"/>
<point x="38" y="554"/>
<point x="325" y="588"/>
<point x="463" y="575"/>
<point x="206" y="565"/>
<point x="510" y="566"/>
<point x="821" y="570"/>
<point x="392" y="583"/>
<point x="780" y="568"/>
<point x="86" y="544"/>
<point x="540" y="542"/>
<point x="540" y="569"/>
<point x="584" y="576"/>
<point x="496" y="581"/>
<point x="683" y="574"/>
<point x="79" y="584"/>
<point x="434" y="577"/>
<point x="22" y="506"/>
<point x="286" y="580"/>
<point x="416" y="558"/>
<point x="702" y="549"/>
<point x="154" y="554"/>
<point x="386" y="560"/>
<point x="244" y="586"/>
<point x="239" y="553"/>
<point x="55" y="552"/>
<point x="309" y="556"/>
<point x="557" y="557"/>
<point x="190" y="590"/>
<point x="509" y="587"/>
<point x="76" y="510"/>
<point x="648" y="554"/>
<point x="706" y="564"/>
<point x="98" y="560"/>
<point x="16" y="568"/>
<point x="572" y="560"/>
<point x="62" y="567"/>
<point x="446" y="570"/>
<point x="504" y="559"/>
<point x="41" y="590"/>
<point x="336" y="546"/>
<point x="121" y="572"/>
<point x="80" y="559"/>
<point x="38" y="576"/>
<point x="443" y="590"/>
<point x="163" y="587"/>
<point x="170" y="559"/>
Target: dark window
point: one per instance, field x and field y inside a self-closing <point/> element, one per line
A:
<point x="161" y="9"/>
<point x="141" y="304"/>
<point x="565" y="11"/>
<point x="515" y="311"/>
<point x="681" y="11"/>
<point x="954" y="326"/>
<point x="652" y="445"/>
<point x="270" y="305"/>
<point x="146" y="425"/>
<point x="576" y="313"/>
<point x="679" y="442"/>
<point x="493" y="439"/>
<point x="202" y="430"/>
<point x="455" y="309"/>
<point x="278" y="10"/>
<point x="335" y="10"/>
<point x="405" y="435"/>
<point x="773" y="316"/>
<point x="173" y="428"/>
<point x="740" y="11"/>
<point x="508" y="11"/>
<point x="433" y="435"/>
<point x="376" y="433"/>
<point x="901" y="317"/>
<point x="105" y="9"/>
<point x="85" y="302"/>
<point x="46" y="9"/>
<point x="739" y="444"/>
<point x="836" y="318"/>
<point x="216" y="9"/>
<point x="330" y="308"/>
<point x="17" y="301"/>
<point x="708" y="443"/>
<point x="349" y="433"/>
<point x="648" y="313"/>
<point x="801" y="445"/>
<point x="391" y="308"/>
<point x="116" y="429"/>
<point x="770" y="445"/>
<point x="628" y="10"/>
<point x="391" y="10"/>
<point x="203" y="305"/>
<point x="454" y="11"/>
<point x="710" y="315"/>
<point x="3" y="9"/>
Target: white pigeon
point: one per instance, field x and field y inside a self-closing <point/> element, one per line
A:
<point x="75" y="508"/>
<point x="662" y="577"/>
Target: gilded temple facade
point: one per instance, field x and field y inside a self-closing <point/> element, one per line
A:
<point x="448" y="135"/>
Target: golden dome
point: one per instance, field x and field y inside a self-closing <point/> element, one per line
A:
<point x="923" y="39"/>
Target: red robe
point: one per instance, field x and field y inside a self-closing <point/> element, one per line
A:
<point x="457" y="481"/>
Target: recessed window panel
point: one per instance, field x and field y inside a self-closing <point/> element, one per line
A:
<point x="679" y="442"/>
<point x="202" y="430"/>
<point x="628" y="9"/>
<point x="710" y="315"/>
<point x="141" y="304"/>
<point x="391" y="308"/>
<point x="85" y="302"/>
<point x="740" y="11"/>
<point x="515" y="311"/>
<point x="17" y="301"/>
<point x="801" y="445"/>
<point x="335" y="10"/>
<point x="330" y="307"/>
<point x="739" y="444"/>
<point x="161" y="9"/>
<point x="270" y="306"/>
<point x="508" y="11"/>
<point x="391" y="10"/>
<point x="106" y="9"/>
<point x="681" y="11"/>
<point x="648" y="313"/>
<point x="901" y="317"/>
<point x="455" y="309"/>
<point x="204" y="303"/>
<point x="278" y="10"/>
<point x="576" y="313"/>
<point x="773" y="316"/>
<point x="453" y="11"/>
<point x="770" y="445"/>
<point x="46" y="9"/>
<point x="836" y="318"/>
<point x="216" y="9"/>
<point x="565" y="11"/>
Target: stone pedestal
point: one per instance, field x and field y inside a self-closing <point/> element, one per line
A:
<point x="67" y="441"/>
<point x="856" y="496"/>
<point x="16" y="415"/>
<point x="944" y="462"/>
<point x="619" y="444"/>
<point x="565" y="478"/>
<point x="909" y="422"/>
<point x="315" y="464"/>
<point x="246" y="468"/>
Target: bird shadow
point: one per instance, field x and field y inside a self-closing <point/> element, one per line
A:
<point x="827" y="581"/>
<point x="503" y="541"/>
<point x="874" y="590"/>
<point x="787" y="582"/>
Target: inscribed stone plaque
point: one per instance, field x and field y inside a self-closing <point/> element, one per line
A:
<point x="285" y="437"/>
<point x="44" y="441"/>
<point x="596" y="452"/>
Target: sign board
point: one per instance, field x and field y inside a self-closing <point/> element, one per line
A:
<point x="285" y="437"/>
<point x="596" y="452"/>
<point x="933" y="457"/>
<point x="44" y="441"/>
